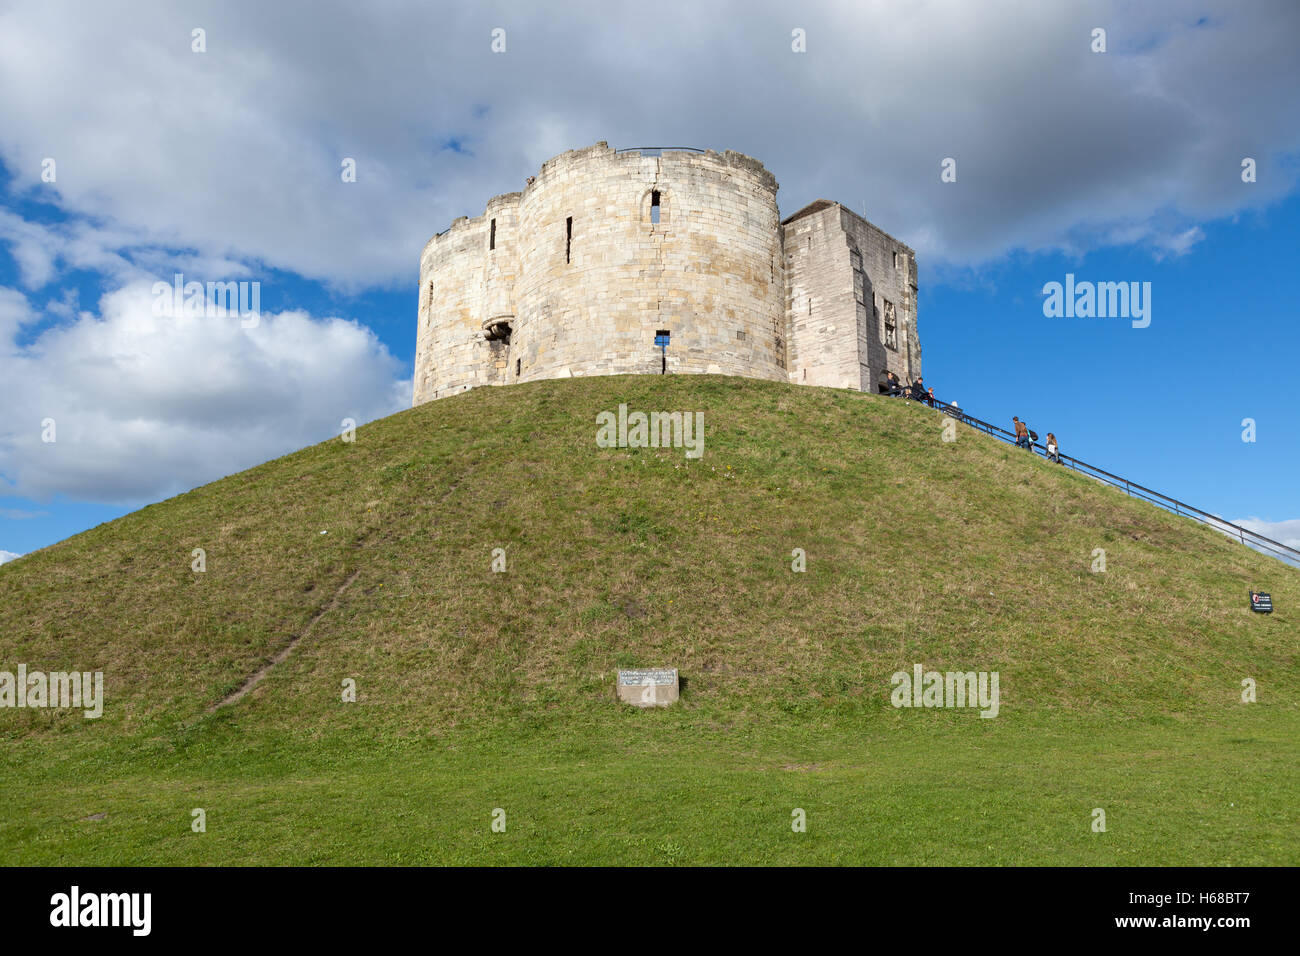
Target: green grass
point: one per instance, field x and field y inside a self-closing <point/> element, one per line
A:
<point x="477" y="690"/>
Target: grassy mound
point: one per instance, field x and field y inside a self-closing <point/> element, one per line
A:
<point x="477" y="690"/>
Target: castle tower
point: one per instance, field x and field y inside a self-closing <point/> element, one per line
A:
<point x="851" y="300"/>
<point x="660" y="261"/>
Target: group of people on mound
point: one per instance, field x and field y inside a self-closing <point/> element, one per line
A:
<point x="1025" y="439"/>
<point x="917" y="391"/>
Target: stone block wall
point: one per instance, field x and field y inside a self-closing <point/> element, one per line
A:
<point x="846" y="281"/>
<point x="888" y="284"/>
<point x="602" y="250"/>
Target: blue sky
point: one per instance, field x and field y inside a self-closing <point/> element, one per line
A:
<point x="1163" y="405"/>
<point x="223" y="164"/>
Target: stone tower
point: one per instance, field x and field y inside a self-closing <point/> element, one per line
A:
<point x="671" y="261"/>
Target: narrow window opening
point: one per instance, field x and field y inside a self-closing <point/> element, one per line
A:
<point x="895" y="260"/>
<point x="654" y="206"/>
<point x="661" y="341"/>
<point x="568" y="239"/>
<point x="492" y="235"/>
<point x="517" y="361"/>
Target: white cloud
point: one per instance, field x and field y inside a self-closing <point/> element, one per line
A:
<point x="1284" y="532"/>
<point x="145" y="406"/>
<point x="234" y="153"/>
<point x="14" y="313"/>
<point x="7" y="556"/>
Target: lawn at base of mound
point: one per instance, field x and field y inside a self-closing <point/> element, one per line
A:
<point x="946" y="788"/>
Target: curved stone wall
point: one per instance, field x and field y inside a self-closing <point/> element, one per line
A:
<point x="584" y="278"/>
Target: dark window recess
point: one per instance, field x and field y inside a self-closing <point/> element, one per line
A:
<point x="661" y="342"/>
<point x="492" y="235"/>
<point x="740" y="334"/>
<point x="568" y="239"/>
<point x="654" y="206"/>
<point x="517" y="361"/>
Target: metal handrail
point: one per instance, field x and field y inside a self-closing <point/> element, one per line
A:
<point x="1181" y="508"/>
<point x="662" y="149"/>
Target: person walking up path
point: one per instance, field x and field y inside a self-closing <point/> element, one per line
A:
<point x="1022" y="433"/>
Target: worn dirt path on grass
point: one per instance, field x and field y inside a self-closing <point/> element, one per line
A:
<point x="285" y="651"/>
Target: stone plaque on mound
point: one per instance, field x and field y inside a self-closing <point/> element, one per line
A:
<point x="650" y="687"/>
